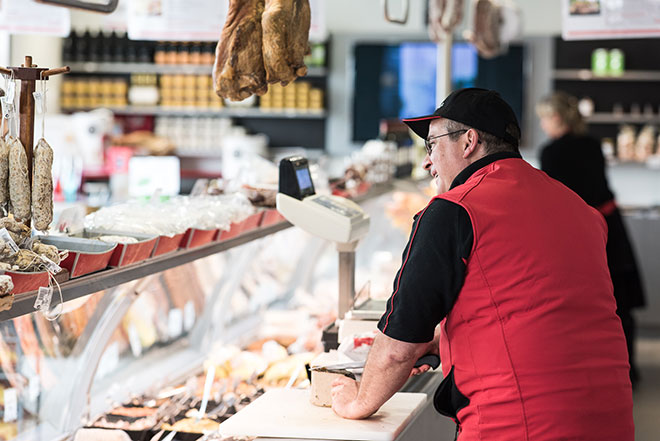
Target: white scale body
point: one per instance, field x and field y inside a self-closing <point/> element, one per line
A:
<point x="333" y="218"/>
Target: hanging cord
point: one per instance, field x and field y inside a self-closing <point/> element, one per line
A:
<point x="14" y="113"/>
<point x="2" y="121"/>
<point x="42" y="84"/>
<point x="52" y="280"/>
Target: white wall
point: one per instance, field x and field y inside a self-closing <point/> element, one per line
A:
<point x="45" y="52"/>
<point x="367" y="17"/>
<point x="540" y="17"/>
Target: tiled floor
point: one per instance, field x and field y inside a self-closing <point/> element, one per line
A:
<point x="646" y="397"/>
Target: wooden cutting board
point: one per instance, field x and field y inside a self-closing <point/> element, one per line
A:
<point x="287" y="413"/>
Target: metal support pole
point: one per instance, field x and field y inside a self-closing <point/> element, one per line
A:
<point x="443" y="74"/>
<point x="27" y="120"/>
<point x="346" y="277"/>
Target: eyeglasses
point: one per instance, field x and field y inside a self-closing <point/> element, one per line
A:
<point x="427" y="142"/>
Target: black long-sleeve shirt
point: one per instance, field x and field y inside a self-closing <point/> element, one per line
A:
<point x="433" y="265"/>
<point x="577" y="162"/>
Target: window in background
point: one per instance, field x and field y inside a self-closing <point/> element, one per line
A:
<point x="399" y="81"/>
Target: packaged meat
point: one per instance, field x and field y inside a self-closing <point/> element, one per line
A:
<point x="645" y="144"/>
<point x="625" y="143"/>
<point x="18" y="231"/>
<point x="116" y="239"/>
<point x="6" y="287"/>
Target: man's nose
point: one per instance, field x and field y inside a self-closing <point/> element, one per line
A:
<point x="427" y="163"/>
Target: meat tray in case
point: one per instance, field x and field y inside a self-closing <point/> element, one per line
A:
<point x="85" y="255"/>
<point x="271" y="217"/>
<point x="127" y="253"/>
<point x="27" y="281"/>
<point x="237" y="228"/>
<point x="167" y="244"/>
<point x="195" y="237"/>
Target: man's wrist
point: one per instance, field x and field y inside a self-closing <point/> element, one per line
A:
<point x="357" y="410"/>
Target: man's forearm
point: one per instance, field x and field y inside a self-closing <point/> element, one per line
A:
<point x="387" y="369"/>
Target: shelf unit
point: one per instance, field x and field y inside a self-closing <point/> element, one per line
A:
<point x="229" y="112"/>
<point x="284" y="127"/>
<point x="152" y="68"/>
<point x="587" y="75"/>
<point x="613" y="118"/>
<point x="630" y="93"/>
<point x="72" y="289"/>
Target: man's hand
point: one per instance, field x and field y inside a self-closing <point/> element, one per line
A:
<point x="420" y="370"/>
<point x="386" y="370"/>
<point x="433" y="348"/>
<point x="344" y="394"/>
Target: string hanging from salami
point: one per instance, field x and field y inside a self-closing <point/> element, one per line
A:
<point x="52" y="281"/>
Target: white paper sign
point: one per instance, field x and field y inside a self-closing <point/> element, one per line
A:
<point x="117" y="20"/>
<point x="148" y="175"/>
<point x="34" y="388"/>
<point x="134" y="340"/>
<point x="188" y="315"/>
<point x="29" y="17"/>
<point x="318" y="31"/>
<point x="109" y="360"/>
<point x="175" y="323"/>
<point x="11" y="405"/>
<point x="598" y="19"/>
<point x="176" y="20"/>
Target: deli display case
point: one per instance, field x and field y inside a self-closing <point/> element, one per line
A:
<point x="185" y="348"/>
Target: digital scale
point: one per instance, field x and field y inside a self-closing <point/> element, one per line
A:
<point x="333" y="218"/>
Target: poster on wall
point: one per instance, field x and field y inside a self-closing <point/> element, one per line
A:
<point x="194" y="20"/>
<point x="29" y="17"/>
<point x="317" y="29"/>
<point x="117" y="20"/>
<point x="176" y="20"/>
<point x="599" y="19"/>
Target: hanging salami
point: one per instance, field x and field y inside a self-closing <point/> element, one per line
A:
<point x="19" y="181"/>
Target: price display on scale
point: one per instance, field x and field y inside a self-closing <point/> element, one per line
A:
<point x="333" y="218"/>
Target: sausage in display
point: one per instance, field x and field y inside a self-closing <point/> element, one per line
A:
<point x="19" y="181"/>
<point x="42" y="186"/>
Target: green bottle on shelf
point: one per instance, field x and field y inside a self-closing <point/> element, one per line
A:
<point x="599" y="62"/>
<point x="616" y="64"/>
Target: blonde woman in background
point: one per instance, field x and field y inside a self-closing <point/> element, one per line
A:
<point x="576" y="159"/>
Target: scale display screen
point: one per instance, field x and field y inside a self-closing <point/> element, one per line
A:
<point x="295" y="179"/>
<point x="304" y="180"/>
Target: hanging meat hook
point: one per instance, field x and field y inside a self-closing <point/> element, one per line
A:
<point x="105" y="8"/>
<point x="406" y="8"/>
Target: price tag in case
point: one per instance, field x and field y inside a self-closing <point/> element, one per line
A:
<point x="44" y="297"/>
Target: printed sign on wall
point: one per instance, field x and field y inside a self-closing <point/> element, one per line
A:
<point x="29" y="17"/>
<point x="598" y="19"/>
<point x="176" y="20"/>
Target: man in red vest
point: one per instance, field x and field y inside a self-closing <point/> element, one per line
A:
<point x="505" y="276"/>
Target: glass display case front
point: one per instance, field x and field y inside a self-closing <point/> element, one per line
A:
<point x="207" y="336"/>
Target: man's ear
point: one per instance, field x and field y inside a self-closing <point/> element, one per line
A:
<point x="471" y="143"/>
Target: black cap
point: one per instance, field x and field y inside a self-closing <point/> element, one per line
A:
<point x="479" y="108"/>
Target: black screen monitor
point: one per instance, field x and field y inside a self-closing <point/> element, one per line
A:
<point x="295" y="179"/>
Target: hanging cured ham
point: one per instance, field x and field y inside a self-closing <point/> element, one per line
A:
<point x="262" y="41"/>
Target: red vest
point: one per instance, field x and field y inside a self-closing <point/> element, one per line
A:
<point x="533" y="337"/>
